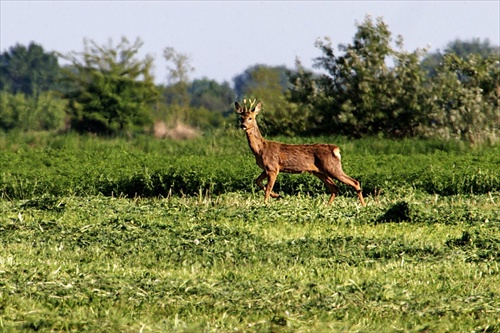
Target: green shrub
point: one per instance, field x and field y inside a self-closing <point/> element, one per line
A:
<point x="45" y="112"/>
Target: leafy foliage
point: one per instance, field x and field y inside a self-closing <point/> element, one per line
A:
<point x="211" y="95"/>
<point x="360" y="94"/>
<point x="41" y="113"/>
<point x="200" y="104"/>
<point x="114" y="91"/>
<point x="462" y="49"/>
<point x="466" y="94"/>
<point x="281" y="116"/>
<point x="255" y="77"/>
<point x="370" y="87"/>
<point x="28" y="70"/>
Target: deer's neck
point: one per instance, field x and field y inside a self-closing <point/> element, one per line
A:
<point x="255" y="140"/>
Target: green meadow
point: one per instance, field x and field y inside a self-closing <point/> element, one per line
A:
<point x="145" y="235"/>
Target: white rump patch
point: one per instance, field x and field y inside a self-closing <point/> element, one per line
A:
<point x="336" y="152"/>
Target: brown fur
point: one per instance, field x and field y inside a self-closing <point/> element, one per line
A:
<point x="322" y="160"/>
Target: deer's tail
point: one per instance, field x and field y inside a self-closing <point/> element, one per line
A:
<point x="336" y="153"/>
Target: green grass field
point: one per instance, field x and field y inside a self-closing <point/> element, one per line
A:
<point x="160" y="236"/>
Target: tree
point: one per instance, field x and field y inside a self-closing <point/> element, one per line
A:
<point x="113" y="90"/>
<point x="28" y="70"/>
<point x="375" y="89"/>
<point x="269" y="84"/>
<point x="359" y="93"/>
<point x="465" y="98"/>
<point x="211" y="95"/>
<point x="250" y="79"/>
<point x="464" y="87"/>
<point x="462" y="49"/>
<point x="475" y="46"/>
<point x="178" y="67"/>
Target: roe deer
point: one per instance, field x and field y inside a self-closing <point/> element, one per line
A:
<point x="322" y="160"/>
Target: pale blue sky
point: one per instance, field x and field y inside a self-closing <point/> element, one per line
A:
<point x="223" y="38"/>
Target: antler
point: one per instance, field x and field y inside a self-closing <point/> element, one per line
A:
<point x="248" y="106"/>
<point x="251" y="104"/>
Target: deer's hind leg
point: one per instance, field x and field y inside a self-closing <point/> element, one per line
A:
<point x="333" y="169"/>
<point x="332" y="187"/>
<point x="342" y="177"/>
<point x="258" y="182"/>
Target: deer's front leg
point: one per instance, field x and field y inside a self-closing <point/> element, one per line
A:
<point x="258" y="182"/>
<point x="271" y="178"/>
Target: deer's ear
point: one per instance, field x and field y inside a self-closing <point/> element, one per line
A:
<point x="258" y="107"/>
<point x="237" y="108"/>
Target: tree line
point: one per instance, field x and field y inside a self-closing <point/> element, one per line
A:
<point x="363" y="88"/>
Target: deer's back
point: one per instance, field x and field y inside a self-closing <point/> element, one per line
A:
<point x="298" y="158"/>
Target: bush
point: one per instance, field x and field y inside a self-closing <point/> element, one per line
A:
<point x="359" y="94"/>
<point x="43" y="113"/>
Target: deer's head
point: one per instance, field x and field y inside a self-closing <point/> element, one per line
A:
<point x="247" y="113"/>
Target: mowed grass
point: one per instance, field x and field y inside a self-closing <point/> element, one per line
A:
<point x="232" y="263"/>
<point x="160" y="236"/>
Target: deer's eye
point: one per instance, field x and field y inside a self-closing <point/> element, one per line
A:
<point x="250" y="118"/>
